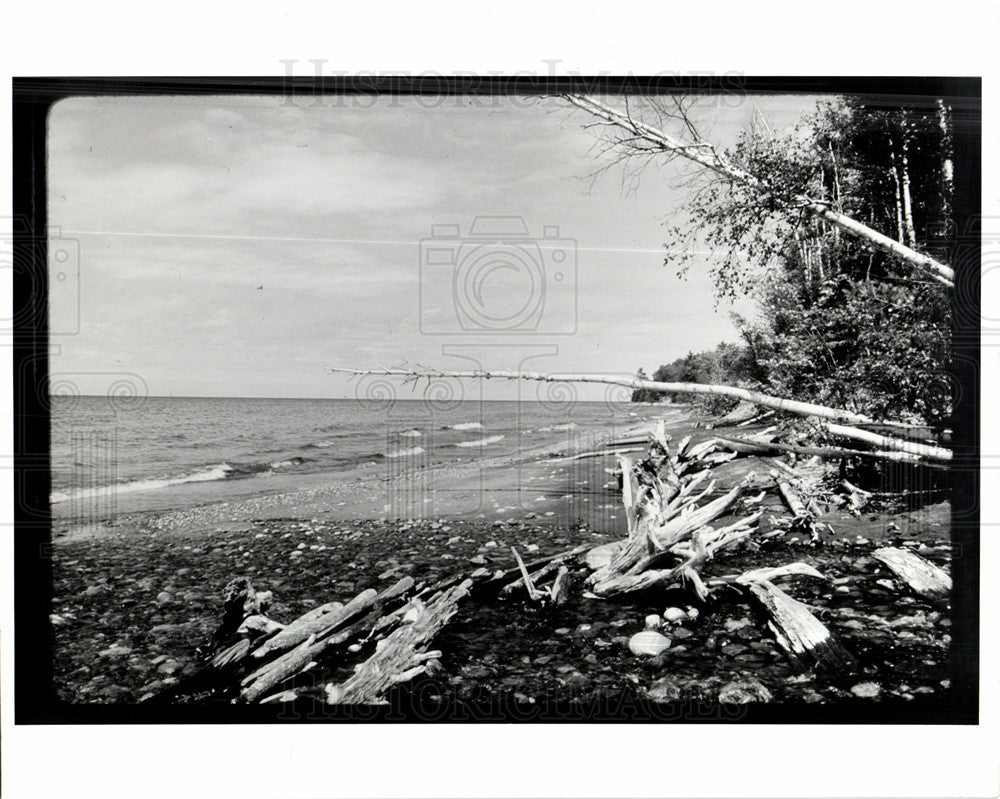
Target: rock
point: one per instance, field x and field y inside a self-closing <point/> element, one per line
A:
<point x="864" y="565"/>
<point x="866" y="690"/>
<point x="601" y="555"/>
<point x="734" y="649"/>
<point x="693" y="613"/>
<point x="648" y="643"/>
<point x="889" y="585"/>
<point x="652" y="622"/>
<point x="732" y="625"/>
<point x="479" y="560"/>
<point x="742" y="692"/>
<point x="664" y="690"/>
<point x="674" y="614"/>
<point x="163" y="598"/>
<point x="115" y="651"/>
<point x="682" y="632"/>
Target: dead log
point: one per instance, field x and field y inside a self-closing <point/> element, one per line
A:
<point x="400" y="656"/>
<point x="776" y="403"/>
<point x="891" y="444"/>
<point x="746" y="446"/>
<point x="797" y="569"/>
<point x="804" y="637"/>
<point x="922" y="576"/>
<point x="322" y="625"/>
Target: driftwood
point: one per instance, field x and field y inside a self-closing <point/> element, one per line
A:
<point x="747" y="446"/>
<point x="402" y="655"/>
<point x="891" y="444"/>
<point x="922" y="576"/>
<point x="554" y="565"/>
<point x="665" y="523"/>
<point x="804" y="637"/>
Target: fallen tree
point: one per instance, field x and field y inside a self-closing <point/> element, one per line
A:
<point x="777" y="403"/>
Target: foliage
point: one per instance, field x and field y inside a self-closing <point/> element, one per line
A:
<point x="838" y="322"/>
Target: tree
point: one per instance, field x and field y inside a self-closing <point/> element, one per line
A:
<point x="843" y="317"/>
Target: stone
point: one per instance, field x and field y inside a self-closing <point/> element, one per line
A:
<point x="674" y="614"/>
<point x="115" y="651"/>
<point x="163" y="598"/>
<point x="742" y="692"/>
<point x="664" y="690"/>
<point x="652" y="622"/>
<point x="682" y="632"/>
<point x="866" y="690"/>
<point x="648" y="643"/>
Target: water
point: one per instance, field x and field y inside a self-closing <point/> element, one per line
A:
<point x="170" y="452"/>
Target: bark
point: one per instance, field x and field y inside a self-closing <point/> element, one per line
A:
<point x="707" y="156"/>
<point x="923" y="577"/>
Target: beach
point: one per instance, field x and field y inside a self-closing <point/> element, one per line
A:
<point x="135" y="603"/>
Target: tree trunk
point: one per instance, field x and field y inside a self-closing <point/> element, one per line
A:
<point x="789" y="406"/>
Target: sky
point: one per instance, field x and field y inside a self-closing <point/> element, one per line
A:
<point x="237" y="246"/>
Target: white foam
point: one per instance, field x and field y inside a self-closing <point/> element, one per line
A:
<point x="410" y="434"/>
<point x="467" y="426"/>
<point x="480" y="442"/>
<point x="403" y="452"/>
<point x="217" y="472"/>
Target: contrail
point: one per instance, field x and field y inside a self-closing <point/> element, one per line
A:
<point x="384" y="242"/>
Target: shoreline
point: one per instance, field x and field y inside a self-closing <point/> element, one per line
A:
<point x="135" y="603"/>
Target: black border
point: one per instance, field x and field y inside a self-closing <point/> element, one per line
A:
<point x="32" y="99"/>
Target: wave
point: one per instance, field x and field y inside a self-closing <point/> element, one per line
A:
<point x="480" y="442"/>
<point x="410" y="434"/>
<point x="558" y="427"/>
<point x="322" y="444"/>
<point x="465" y="426"/>
<point x="403" y="452"/>
<point x="296" y="461"/>
<point x="219" y="471"/>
